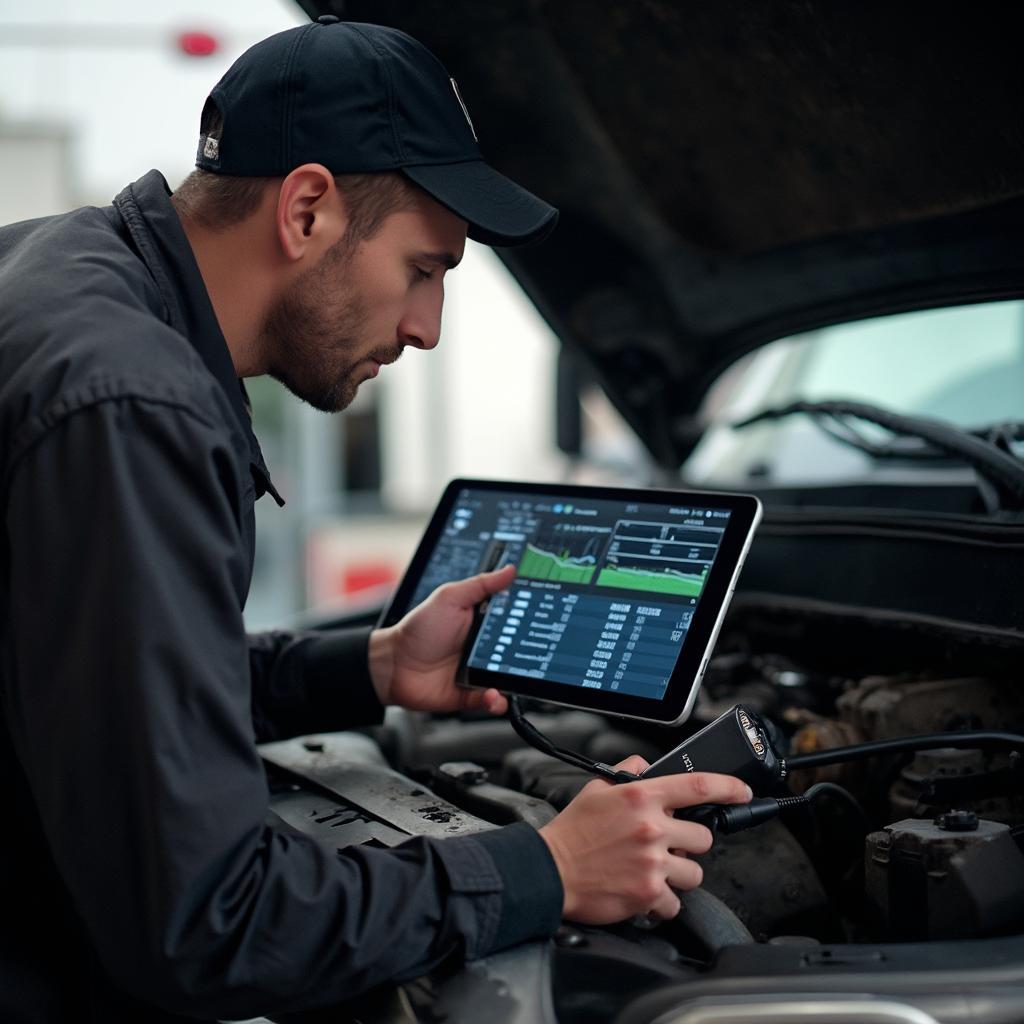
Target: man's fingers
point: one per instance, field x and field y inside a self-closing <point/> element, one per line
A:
<point x="667" y="906"/>
<point x="489" y="700"/>
<point x="683" y="873"/>
<point x="467" y="593"/>
<point x="688" y="836"/>
<point x="494" y="702"/>
<point x="634" y="764"/>
<point x="694" y="788"/>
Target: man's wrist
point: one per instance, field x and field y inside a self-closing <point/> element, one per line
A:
<point x="381" y="661"/>
<point x="532" y="897"/>
<point x="562" y="866"/>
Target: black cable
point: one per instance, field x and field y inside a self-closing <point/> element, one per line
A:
<point x="905" y="744"/>
<point x="538" y="740"/>
<point x="830" y="787"/>
<point x="845" y="795"/>
<point x="728" y="818"/>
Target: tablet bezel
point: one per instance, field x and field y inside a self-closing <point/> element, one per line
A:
<point x="684" y="683"/>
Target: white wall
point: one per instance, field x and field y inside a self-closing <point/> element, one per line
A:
<point x="35" y="171"/>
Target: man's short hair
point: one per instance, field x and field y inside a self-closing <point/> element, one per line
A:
<point x="219" y="201"/>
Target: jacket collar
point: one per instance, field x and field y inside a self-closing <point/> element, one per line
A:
<point x="146" y="210"/>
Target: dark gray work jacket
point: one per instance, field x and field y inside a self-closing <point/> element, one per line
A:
<point x="138" y="879"/>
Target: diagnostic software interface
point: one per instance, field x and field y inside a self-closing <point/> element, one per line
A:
<point x="604" y="591"/>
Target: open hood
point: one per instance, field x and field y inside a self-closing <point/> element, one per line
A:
<point x="735" y="172"/>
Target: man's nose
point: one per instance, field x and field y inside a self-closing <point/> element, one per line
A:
<point x="421" y="324"/>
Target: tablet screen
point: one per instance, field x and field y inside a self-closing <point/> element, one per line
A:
<point x="609" y="587"/>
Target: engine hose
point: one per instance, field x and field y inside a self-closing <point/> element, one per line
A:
<point x="711" y="922"/>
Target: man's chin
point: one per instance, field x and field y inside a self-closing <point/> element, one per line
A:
<point x="335" y="399"/>
<point x="338" y="400"/>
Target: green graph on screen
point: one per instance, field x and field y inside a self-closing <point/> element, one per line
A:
<point x="538" y="564"/>
<point x="665" y="581"/>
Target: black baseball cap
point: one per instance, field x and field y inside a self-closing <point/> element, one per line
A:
<point x="359" y="98"/>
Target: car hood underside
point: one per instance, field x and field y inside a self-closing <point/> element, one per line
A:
<point x="730" y="173"/>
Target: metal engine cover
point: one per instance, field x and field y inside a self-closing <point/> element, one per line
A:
<point x="338" y="788"/>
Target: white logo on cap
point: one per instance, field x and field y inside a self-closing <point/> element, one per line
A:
<point x="458" y="96"/>
<point x="211" y="148"/>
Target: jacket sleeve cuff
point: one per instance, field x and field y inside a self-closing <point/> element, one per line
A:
<point x="339" y="690"/>
<point x="531" y="889"/>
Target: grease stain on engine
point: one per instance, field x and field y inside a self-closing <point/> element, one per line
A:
<point x="435" y="813"/>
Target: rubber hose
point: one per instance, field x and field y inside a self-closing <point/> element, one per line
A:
<point x="711" y="922"/>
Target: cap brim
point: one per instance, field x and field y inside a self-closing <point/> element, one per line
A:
<point x="498" y="211"/>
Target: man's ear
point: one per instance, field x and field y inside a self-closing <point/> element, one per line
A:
<point x="310" y="215"/>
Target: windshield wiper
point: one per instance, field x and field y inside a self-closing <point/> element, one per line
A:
<point x="987" y="450"/>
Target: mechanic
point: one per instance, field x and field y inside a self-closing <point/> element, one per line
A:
<point x="338" y="174"/>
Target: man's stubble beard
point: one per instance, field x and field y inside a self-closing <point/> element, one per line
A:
<point x="314" y="353"/>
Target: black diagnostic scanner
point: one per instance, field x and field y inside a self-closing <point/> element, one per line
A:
<point x="736" y="743"/>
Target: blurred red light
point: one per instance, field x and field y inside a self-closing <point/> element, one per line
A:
<point x="197" y="44"/>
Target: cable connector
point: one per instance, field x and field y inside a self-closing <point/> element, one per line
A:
<point x="613" y="774"/>
<point x="729" y="818"/>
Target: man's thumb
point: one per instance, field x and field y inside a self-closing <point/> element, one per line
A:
<point x="477" y="588"/>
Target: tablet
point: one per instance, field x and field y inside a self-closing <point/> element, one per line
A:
<point x="618" y="597"/>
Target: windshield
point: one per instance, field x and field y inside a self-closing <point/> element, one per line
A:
<point x="964" y="365"/>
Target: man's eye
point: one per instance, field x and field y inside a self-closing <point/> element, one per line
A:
<point x="421" y="274"/>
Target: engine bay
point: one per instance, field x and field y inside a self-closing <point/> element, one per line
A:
<point x="923" y="848"/>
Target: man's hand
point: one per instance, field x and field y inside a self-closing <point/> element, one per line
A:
<point x="413" y="663"/>
<point x="619" y="850"/>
